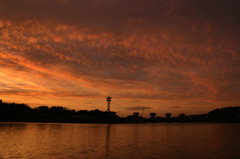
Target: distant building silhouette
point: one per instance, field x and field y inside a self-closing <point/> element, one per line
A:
<point x="0" y="101"/>
<point x="153" y="115"/>
<point x="182" y="115"/>
<point x="134" y="118"/>
<point x="136" y="114"/>
<point x="168" y="115"/>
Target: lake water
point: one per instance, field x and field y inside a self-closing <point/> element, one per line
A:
<point x="159" y="140"/>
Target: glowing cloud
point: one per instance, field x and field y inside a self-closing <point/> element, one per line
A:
<point x="153" y="53"/>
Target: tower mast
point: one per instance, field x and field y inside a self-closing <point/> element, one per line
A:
<point x="142" y="111"/>
<point x="109" y="99"/>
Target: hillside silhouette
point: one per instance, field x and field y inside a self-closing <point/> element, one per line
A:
<point x="225" y="114"/>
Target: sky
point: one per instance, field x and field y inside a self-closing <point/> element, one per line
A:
<point x="162" y="55"/>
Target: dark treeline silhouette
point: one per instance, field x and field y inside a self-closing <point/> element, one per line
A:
<point x="22" y="112"/>
<point x="12" y="112"/>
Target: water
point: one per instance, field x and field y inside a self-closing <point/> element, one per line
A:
<point x="162" y="140"/>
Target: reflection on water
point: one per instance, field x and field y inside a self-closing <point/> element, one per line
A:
<point x="163" y="140"/>
<point x="108" y="139"/>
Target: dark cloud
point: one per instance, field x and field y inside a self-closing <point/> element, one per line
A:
<point x="182" y="107"/>
<point x="138" y="108"/>
<point x="126" y="16"/>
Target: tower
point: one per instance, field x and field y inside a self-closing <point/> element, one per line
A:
<point x="109" y="99"/>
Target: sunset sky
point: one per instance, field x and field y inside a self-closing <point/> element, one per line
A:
<point x="178" y="56"/>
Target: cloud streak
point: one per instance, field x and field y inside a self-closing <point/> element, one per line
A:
<point x="138" y="108"/>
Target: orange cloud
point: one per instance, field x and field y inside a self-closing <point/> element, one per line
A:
<point x="162" y="54"/>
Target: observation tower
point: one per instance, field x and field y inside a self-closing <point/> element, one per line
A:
<point x="109" y="99"/>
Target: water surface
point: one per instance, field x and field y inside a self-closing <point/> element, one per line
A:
<point x="161" y="140"/>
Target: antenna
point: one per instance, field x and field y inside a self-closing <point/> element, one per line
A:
<point x="109" y="99"/>
<point x="142" y="111"/>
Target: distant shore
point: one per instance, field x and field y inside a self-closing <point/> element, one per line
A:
<point x="12" y="112"/>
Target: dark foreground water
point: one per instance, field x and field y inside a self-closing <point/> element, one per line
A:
<point x="162" y="140"/>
